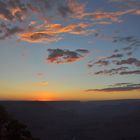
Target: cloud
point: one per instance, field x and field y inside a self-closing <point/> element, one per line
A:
<point x="59" y="56"/>
<point x="131" y="40"/>
<point x="35" y="37"/>
<point x="104" y="61"/>
<point x="76" y="8"/>
<point x="52" y="32"/>
<point x="45" y="12"/>
<point x="12" y="10"/>
<point x="127" y="3"/>
<point x="132" y="43"/>
<point x="62" y="8"/>
<point x="130" y="72"/>
<point x="20" y="13"/>
<point x="101" y="62"/>
<point x="103" y="15"/>
<point x="111" y="71"/>
<point x="121" y="70"/>
<point x="120" y="84"/>
<point x="42" y="83"/>
<point x="119" y="87"/>
<point x="7" y="32"/>
<point x="137" y="12"/>
<point x="82" y="51"/>
<point x="129" y="61"/>
<point x="40" y="74"/>
<point x="115" y="56"/>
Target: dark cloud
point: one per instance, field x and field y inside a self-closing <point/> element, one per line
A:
<point x="100" y="62"/>
<point x="115" y="56"/>
<point x="12" y="10"/>
<point x="118" y="87"/>
<point x="111" y="71"/>
<point x="130" y="72"/>
<point x="64" y="11"/>
<point x="120" y="84"/>
<point x="128" y="39"/>
<point x="116" y="51"/>
<point x="129" y="53"/>
<point x="4" y="12"/>
<point x="104" y="61"/>
<point x="60" y="56"/>
<point x="129" y="61"/>
<point x="62" y="8"/>
<point x="82" y="51"/>
<point x="9" y="31"/>
<point x="132" y="43"/>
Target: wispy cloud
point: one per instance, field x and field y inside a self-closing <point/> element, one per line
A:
<point x="117" y="88"/>
<point x="132" y="43"/>
<point x="111" y="71"/>
<point x="12" y="10"/>
<point x="129" y="61"/>
<point x="130" y="72"/>
<point x="127" y="3"/>
<point x="40" y="84"/>
<point x="105" y="61"/>
<point x="8" y="32"/>
<point x="103" y="15"/>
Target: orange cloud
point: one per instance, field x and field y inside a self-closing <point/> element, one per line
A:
<point x="50" y="32"/>
<point x="39" y="37"/>
<point x="16" y="10"/>
<point x="137" y="12"/>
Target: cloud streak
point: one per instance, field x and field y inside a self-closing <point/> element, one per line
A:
<point x="117" y="88"/>
<point x="130" y="72"/>
<point x="111" y="71"/>
<point x="129" y="61"/>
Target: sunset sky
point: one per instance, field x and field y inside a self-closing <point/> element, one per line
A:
<point x="69" y="49"/>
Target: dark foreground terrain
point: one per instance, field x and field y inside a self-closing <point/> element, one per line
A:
<point x="100" y="120"/>
<point x="12" y="129"/>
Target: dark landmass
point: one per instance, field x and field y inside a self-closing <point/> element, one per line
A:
<point x="11" y="129"/>
<point x="74" y="120"/>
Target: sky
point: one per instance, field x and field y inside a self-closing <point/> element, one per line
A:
<point x="69" y="50"/>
